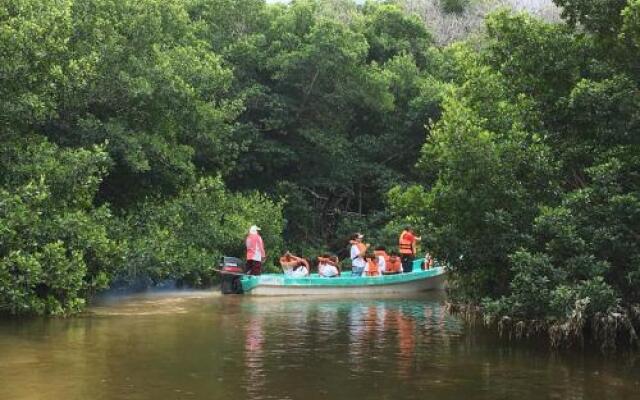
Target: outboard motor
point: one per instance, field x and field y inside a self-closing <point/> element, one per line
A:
<point x="231" y="268"/>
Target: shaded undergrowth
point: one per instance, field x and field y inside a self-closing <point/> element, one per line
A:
<point x="611" y="331"/>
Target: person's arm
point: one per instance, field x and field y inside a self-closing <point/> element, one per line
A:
<point x="299" y="260"/>
<point x="261" y="244"/>
<point x="364" y="250"/>
<point x="306" y="265"/>
<point x="285" y="263"/>
<point x="416" y="239"/>
<point x="249" y="245"/>
<point x="326" y="260"/>
<point x="382" y="264"/>
<point x="336" y="263"/>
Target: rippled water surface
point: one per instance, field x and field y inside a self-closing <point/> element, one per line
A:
<point x="206" y="346"/>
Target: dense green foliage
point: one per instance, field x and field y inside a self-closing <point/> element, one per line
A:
<point x="180" y="237"/>
<point x="116" y="121"/>
<point x="54" y="244"/>
<point x="336" y="103"/>
<point x="531" y="188"/>
<point x="140" y="139"/>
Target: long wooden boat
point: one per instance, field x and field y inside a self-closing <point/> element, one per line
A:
<point x="283" y="285"/>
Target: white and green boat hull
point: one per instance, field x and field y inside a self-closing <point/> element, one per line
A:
<point x="282" y="285"/>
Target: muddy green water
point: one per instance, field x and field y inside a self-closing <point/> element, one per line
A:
<point x="206" y="346"/>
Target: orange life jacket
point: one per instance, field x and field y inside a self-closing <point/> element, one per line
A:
<point x="393" y="265"/>
<point x="372" y="267"/>
<point x="361" y="249"/>
<point x="406" y="246"/>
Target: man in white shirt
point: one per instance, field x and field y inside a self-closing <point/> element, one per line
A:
<point x="255" y="251"/>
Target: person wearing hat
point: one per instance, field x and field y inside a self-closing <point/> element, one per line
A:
<point x="358" y="251"/>
<point x="255" y="251"/>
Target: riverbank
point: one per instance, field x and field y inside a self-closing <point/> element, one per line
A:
<point x="616" y="330"/>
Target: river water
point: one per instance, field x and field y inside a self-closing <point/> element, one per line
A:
<point x="201" y="345"/>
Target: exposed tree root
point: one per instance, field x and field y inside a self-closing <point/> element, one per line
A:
<point x="613" y="330"/>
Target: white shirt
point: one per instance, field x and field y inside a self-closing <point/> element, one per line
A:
<point x="327" y="270"/>
<point x="356" y="260"/>
<point x="257" y="255"/>
<point x="299" y="272"/>
<point x="382" y="265"/>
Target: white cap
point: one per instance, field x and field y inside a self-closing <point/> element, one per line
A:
<point x="254" y="229"/>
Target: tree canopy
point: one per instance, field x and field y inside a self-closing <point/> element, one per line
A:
<point x="140" y="140"/>
<point x="531" y="186"/>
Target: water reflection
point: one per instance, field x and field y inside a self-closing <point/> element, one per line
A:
<point x="407" y="344"/>
<point x="359" y="340"/>
<point x="211" y="347"/>
<point x="254" y="355"/>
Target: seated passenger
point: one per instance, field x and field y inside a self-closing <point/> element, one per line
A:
<point x="294" y="266"/>
<point x="393" y="264"/>
<point x="328" y="266"/>
<point x="381" y="257"/>
<point x="371" y="269"/>
<point x="428" y="261"/>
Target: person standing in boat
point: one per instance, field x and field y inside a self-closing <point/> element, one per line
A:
<point x="407" y="243"/>
<point x="255" y="251"/>
<point x="358" y="251"/>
